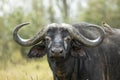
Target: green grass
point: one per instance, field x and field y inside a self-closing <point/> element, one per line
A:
<point x="28" y="70"/>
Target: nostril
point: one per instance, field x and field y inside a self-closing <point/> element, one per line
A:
<point x="57" y="50"/>
<point x="61" y="51"/>
<point x="52" y="51"/>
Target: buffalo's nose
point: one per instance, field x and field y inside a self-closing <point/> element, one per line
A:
<point x="57" y="50"/>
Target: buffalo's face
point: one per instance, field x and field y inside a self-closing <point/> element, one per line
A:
<point x="58" y="43"/>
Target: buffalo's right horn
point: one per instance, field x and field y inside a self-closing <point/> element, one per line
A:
<point x="27" y="42"/>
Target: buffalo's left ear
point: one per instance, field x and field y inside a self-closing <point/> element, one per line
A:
<point x="37" y="51"/>
<point x="78" y="51"/>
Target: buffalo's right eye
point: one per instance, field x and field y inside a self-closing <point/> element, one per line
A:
<point x="47" y="38"/>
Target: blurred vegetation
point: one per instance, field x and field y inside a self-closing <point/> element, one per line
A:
<point x="13" y="58"/>
<point x="103" y="11"/>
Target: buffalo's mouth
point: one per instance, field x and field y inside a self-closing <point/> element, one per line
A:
<point x="57" y="58"/>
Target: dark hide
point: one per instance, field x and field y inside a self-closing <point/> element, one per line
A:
<point x="86" y="63"/>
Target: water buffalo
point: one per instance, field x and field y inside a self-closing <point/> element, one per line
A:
<point x="81" y="51"/>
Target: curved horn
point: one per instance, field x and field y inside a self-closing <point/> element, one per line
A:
<point x="88" y="42"/>
<point x="27" y="42"/>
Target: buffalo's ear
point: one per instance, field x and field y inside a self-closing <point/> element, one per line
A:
<point x="37" y="51"/>
<point x="77" y="50"/>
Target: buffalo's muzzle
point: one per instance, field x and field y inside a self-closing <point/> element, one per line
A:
<point x="57" y="53"/>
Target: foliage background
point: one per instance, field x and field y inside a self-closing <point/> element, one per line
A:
<point x="14" y="64"/>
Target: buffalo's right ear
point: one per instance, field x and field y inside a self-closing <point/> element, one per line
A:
<point x="37" y="51"/>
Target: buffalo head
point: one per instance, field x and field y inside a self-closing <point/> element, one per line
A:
<point x="57" y="40"/>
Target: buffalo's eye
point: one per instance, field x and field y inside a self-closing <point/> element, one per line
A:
<point x="47" y="39"/>
<point x="68" y="38"/>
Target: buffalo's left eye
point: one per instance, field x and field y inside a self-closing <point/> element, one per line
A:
<point x="68" y="38"/>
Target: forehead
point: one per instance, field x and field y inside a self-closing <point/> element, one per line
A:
<point x="58" y="29"/>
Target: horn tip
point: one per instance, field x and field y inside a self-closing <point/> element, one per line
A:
<point x="26" y="23"/>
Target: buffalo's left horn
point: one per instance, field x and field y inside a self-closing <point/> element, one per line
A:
<point x="27" y="42"/>
<point x="88" y="42"/>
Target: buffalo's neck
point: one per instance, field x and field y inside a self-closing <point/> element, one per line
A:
<point x="63" y="70"/>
